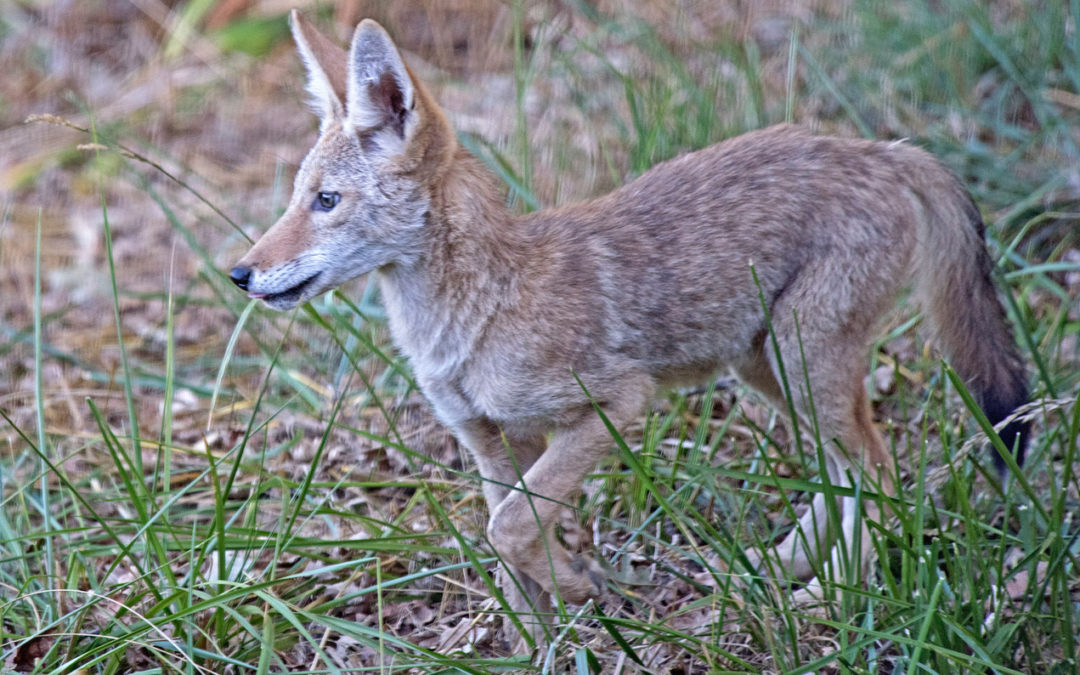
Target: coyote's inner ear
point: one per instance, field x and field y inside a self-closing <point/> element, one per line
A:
<point x="381" y="95"/>
<point x="327" y="66"/>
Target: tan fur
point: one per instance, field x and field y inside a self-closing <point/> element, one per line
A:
<point x="645" y="288"/>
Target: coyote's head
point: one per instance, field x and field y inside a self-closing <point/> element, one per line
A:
<point x="361" y="194"/>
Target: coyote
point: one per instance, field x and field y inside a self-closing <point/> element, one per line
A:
<point x="516" y="326"/>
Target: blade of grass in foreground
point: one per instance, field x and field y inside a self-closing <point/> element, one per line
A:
<point x="129" y="397"/>
<point x="229" y="349"/>
<point x="164" y="463"/>
<point x="39" y="400"/>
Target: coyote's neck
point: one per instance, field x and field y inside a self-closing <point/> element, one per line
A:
<point x="439" y="306"/>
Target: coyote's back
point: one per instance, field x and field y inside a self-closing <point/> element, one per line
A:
<point x="833" y="228"/>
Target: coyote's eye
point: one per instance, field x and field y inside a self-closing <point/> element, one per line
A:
<point x="325" y="201"/>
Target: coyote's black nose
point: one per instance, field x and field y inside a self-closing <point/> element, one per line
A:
<point x="240" y="276"/>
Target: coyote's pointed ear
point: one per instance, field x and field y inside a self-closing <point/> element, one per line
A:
<point x="381" y="96"/>
<point x="327" y="66"/>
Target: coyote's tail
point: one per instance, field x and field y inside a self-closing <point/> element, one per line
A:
<point x="953" y="281"/>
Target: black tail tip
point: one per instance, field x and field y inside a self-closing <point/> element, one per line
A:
<point x="999" y="403"/>
<point x="1015" y="436"/>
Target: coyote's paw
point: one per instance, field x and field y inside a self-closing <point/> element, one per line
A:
<point x="810" y="600"/>
<point x="587" y="581"/>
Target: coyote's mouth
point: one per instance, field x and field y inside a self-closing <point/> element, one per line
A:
<point x="289" y="296"/>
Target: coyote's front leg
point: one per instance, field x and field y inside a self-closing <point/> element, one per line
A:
<point x="522" y="527"/>
<point x="501" y="461"/>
